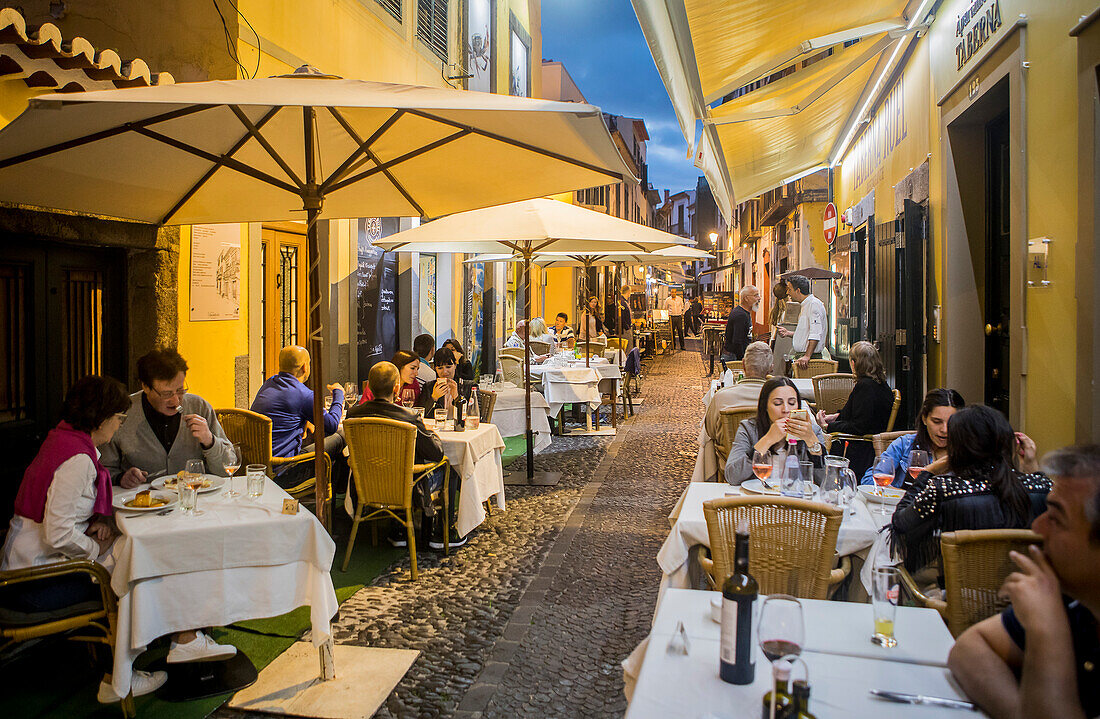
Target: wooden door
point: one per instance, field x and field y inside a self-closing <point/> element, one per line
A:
<point x="284" y="303"/>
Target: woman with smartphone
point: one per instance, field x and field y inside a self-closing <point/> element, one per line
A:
<point x="780" y="416"/>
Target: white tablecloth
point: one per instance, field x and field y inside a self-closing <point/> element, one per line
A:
<point x="574" y="384"/>
<point x="241" y="559"/>
<point x="475" y="453"/>
<point x="689" y="527"/>
<point x="843" y="664"/>
<point x="509" y="417"/>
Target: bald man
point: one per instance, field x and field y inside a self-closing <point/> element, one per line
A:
<point x="289" y="403"/>
<point x="739" y="324"/>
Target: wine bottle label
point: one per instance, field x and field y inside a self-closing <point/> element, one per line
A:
<point x="729" y="631"/>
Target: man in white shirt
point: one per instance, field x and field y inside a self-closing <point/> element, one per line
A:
<point x="675" y="306"/>
<point x="518" y="335"/>
<point x="809" y="335"/>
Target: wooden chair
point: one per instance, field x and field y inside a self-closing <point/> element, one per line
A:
<point x="792" y="543"/>
<point x="831" y="391"/>
<point x="252" y="431"/>
<point x="380" y="454"/>
<point x="882" y="440"/>
<point x="731" y="419"/>
<point x="538" y="348"/>
<point x="486" y="400"/>
<point x="975" y="565"/>
<point x="815" y="368"/>
<point x="98" y="617"/>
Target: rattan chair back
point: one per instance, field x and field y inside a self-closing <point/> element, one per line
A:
<point x="616" y="343"/>
<point x="539" y="348"/>
<point x="975" y="565"/>
<point x="380" y="455"/>
<point x="831" y="391"/>
<point x="592" y="347"/>
<point x="735" y="366"/>
<point x="815" y="368"/>
<point x="731" y="419"/>
<point x="894" y="411"/>
<point x="513" y="369"/>
<point x="486" y="400"/>
<point x="882" y="440"/>
<point x="252" y="431"/>
<point x="792" y="542"/>
<point x="516" y="352"/>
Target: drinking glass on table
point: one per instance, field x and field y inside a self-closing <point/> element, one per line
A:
<point x="349" y="393"/>
<point x="839" y="486"/>
<point x="440" y="419"/>
<point x="807" y="469"/>
<point x="188" y="486"/>
<point x="884" y="604"/>
<point x="918" y="460"/>
<point x="883" y="474"/>
<point x="762" y="466"/>
<point x="256" y="475"/>
<point x="408" y="397"/>
<point x="231" y="463"/>
<point x="781" y="630"/>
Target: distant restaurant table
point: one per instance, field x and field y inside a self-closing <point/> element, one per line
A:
<point x="475" y="453"/>
<point x="713" y="340"/>
<point x="576" y="383"/>
<point x="843" y="664"/>
<point x="509" y="415"/>
<point x="240" y="559"/>
<point x="858" y="531"/>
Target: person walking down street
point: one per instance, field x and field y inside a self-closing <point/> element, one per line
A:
<point x="674" y="303"/>
<point x="809" y="335"/>
<point x="695" y="312"/>
<point x="739" y="324"/>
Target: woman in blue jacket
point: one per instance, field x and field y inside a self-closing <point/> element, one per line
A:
<point x="931" y="435"/>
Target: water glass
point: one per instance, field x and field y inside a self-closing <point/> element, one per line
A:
<point x="807" y="479"/>
<point x="884" y="602"/>
<point x="189" y="494"/>
<point x="257" y="474"/>
<point x="441" y="419"/>
<point x="419" y="412"/>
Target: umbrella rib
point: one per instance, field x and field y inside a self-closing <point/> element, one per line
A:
<point x="346" y="164"/>
<point x="210" y="173"/>
<point x="101" y="135"/>
<point x="222" y="160"/>
<point x="523" y="145"/>
<point x="407" y="156"/>
<point x="364" y="147"/>
<point x="255" y="133"/>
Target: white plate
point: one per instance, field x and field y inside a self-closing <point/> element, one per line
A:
<point x="755" y="486"/>
<point x="120" y="501"/>
<point x="216" y="483"/>
<point x="889" y="495"/>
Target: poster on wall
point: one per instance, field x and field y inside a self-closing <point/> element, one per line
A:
<point x="473" y="312"/>
<point x="215" y="272"/>
<point x="521" y="72"/>
<point x="376" y="293"/>
<point x="427" y="293"/>
<point x="479" y="45"/>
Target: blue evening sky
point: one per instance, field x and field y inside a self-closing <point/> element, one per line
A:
<point x="603" y="48"/>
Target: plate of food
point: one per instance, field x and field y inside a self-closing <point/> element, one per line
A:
<point x="146" y="501"/>
<point x="755" y="486"/>
<point x="882" y="495"/>
<point x="210" y="482"/>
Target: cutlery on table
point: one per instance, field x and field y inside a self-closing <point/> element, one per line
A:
<point x="902" y="698"/>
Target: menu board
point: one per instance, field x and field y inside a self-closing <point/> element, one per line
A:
<point x="718" y="305"/>
<point x="376" y="294"/>
<point x="215" y="287"/>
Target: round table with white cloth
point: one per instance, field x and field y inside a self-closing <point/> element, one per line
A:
<point x="575" y="383"/>
<point x="510" y="418"/>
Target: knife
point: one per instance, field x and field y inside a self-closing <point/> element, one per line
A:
<point x="901" y="698"/>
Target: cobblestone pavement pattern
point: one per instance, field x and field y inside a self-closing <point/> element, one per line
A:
<point x="565" y="616"/>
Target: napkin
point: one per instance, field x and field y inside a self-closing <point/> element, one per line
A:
<point x="727" y="378"/>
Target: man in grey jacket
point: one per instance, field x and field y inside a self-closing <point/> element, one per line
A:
<point x="165" y="426"/>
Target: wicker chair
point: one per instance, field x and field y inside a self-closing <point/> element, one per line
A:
<point x="975" y="565"/>
<point x="831" y="391"/>
<point x="734" y="365"/>
<point x="513" y="369"/>
<point x="538" y="348"/>
<point x="98" y="616"/>
<point x="793" y="543"/>
<point x="834" y="436"/>
<point x="815" y="367"/>
<point x="732" y="417"/>
<point x="380" y="453"/>
<point x="617" y="343"/>
<point x="486" y="400"/>
<point x="882" y="440"/>
<point x="252" y="431"/>
<point x="593" y="348"/>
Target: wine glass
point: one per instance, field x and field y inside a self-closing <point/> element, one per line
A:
<point x="762" y="466"/>
<point x="918" y="460"/>
<point x="781" y="630"/>
<point x="408" y="397"/>
<point x="231" y="463"/>
<point x="193" y="477"/>
<point x="349" y="392"/>
<point x="883" y="474"/>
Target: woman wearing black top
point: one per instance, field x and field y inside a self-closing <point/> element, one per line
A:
<point x="464" y="369"/>
<point x="867" y="410"/>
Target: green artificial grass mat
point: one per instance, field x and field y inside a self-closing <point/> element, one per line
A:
<point x="514" y="448"/>
<point x="55" y="678"/>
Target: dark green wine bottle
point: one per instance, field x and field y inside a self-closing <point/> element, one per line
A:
<point x="801" y="709"/>
<point x="739" y="592"/>
<point x="781" y="694"/>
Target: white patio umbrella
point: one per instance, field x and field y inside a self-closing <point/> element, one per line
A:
<point x="523" y="230"/>
<point x="306" y="144"/>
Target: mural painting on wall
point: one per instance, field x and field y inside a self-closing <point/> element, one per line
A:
<point x="521" y="71"/>
<point x="427" y="293"/>
<point x="473" y="313"/>
<point x="215" y="272"/>
<point x="376" y="291"/>
<point x="479" y="45"/>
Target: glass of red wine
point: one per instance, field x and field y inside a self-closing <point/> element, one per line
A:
<point x="781" y="631"/>
<point x="883" y="474"/>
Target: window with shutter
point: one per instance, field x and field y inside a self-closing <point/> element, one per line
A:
<point x="431" y="26"/>
<point x="393" y="7"/>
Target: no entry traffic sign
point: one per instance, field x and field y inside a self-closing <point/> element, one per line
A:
<point x="829" y="222"/>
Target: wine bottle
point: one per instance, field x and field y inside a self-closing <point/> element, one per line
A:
<point x="460" y="419"/>
<point x="739" y="592"/>
<point x="801" y="708"/>
<point x="778" y="703"/>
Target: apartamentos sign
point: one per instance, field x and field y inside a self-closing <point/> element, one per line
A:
<point x="964" y="33"/>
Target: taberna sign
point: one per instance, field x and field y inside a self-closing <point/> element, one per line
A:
<point x="963" y="34"/>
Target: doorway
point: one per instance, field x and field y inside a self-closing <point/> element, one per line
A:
<point x="998" y="262"/>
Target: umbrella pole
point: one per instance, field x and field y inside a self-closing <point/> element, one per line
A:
<point x="587" y="312"/>
<point x="527" y="364"/>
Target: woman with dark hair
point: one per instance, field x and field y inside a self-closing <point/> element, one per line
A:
<point x="994" y="483"/>
<point x="408" y="364"/>
<point x="868" y="408"/>
<point x="464" y="369"/>
<point x="768" y="431"/>
<point x="931" y="436"/>
<point x="594" y="318"/>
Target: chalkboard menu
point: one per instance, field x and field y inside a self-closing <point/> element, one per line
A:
<point x="718" y="305"/>
<point x="376" y="294"/>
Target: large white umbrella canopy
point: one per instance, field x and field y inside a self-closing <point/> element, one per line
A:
<point x="550" y="260"/>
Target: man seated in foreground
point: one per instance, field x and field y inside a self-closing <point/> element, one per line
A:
<point x="1055" y="607"/>
<point x="384" y="381"/>
<point x="757" y="362"/>
<point x="288" y="402"/>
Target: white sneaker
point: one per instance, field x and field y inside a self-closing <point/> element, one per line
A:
<point x="201" y="649"/>
<point x="140" y="684"/>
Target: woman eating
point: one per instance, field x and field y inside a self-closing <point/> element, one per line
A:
<point x="931" y="436"/>
<point x="408" y="364"/>
<point x="767" y="432"/>
<point x="868" y="408"/>
<point x="994" y="483"/>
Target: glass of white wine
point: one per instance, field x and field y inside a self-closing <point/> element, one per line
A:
<point x="231" y="463"/>
<point x="189" y="485"/>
